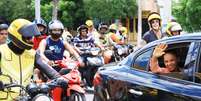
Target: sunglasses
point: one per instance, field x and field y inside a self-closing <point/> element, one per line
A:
<point x="3" y="33"/>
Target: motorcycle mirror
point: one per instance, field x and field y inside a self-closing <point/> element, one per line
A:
<point x="6" y="78"/>
<point x="1" y="85"/>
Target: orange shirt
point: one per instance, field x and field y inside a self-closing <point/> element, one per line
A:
<point x="37" y="40"/>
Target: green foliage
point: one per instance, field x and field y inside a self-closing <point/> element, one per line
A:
<point x="110" y="9"/>
<point x="71" y="12"/>
<point x="188" y="14"/>
<point x="13" y="9"/>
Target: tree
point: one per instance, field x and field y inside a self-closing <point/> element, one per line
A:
<point x="13" y="9"/>
<point x="106" y="10"/>
<point x="70" y="12"/>
<point x="188" y="14"/>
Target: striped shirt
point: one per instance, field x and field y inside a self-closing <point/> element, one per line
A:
<point x="84" y="43"/>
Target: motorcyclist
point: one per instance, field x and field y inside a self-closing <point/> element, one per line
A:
<point x="82" y="43"/>
<point x="173" y="29"/>
<point x="83" y="40"/>
<point x="113" y="37"/>
<point x="42" y="26"/>
<point x="92" y="30"/>
<point x="103" y="30"/>
<point x="17" y="57"/>
<point x="123" y="32"/>
<point x="3" y="33"/>
<point x="67" y="36"/>
<point x="154" y="21"/>
<point x="56" y="45"/>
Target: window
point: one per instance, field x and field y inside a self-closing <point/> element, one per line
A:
<point x="142" y="61"/>
<point x="196" y="53"/>
<point x="180" y="50"/>
<point x="186" y="55"/>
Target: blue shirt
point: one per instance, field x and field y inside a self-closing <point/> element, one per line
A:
<point x="150" y="36"/>
<point x="57" y="48"/>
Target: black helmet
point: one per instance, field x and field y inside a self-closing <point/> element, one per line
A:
<point x="102" y="25"/>
<point x="82" y="27"/>
<point x="40" y="22"/>
<point x="3" y="26"/>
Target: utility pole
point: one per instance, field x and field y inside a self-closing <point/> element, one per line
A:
<point x="139" y="33"/>
<point x="55" y="9"/>
<point x="165" y="11"/>
<point x="37" y="9"/>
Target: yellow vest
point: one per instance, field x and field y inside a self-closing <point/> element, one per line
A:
<point x="19" y="67"/>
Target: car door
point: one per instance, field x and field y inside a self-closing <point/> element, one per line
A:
<point x="150" y="85"/>
<point x="139" y="77"/>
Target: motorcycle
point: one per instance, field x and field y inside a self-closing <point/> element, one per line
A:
<point x="93" y="59"/>
<point x="50" y="91"/>
<point x="121" y="51"/>
<point x="74" y="91"/>
<point x="31" y="92"/>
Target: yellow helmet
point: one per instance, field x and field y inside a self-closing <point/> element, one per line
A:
<point x="154" y="15"/>
<point x="89" y="23"/>
<point x="113" y="27"/>
<point x="123" y="30"/>
<point x="22" y="30"/>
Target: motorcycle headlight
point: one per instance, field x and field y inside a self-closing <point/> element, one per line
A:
<point x="120" y="51"/>
<point x="42" y="98"/>
<point x="95" y="52"/>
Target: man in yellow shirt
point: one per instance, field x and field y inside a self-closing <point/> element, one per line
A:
<point x="17" y="58"/>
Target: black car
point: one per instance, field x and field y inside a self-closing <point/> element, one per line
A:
<point x="132" y="80"/>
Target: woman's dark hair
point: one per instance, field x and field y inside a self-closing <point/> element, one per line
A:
<point x="173" y="52"/>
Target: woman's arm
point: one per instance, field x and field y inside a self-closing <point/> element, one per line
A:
<point x="158" y="52"/>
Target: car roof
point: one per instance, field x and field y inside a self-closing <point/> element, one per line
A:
<point x="184" y="37"/>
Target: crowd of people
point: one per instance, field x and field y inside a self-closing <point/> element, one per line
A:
<point x="23" y="45"/>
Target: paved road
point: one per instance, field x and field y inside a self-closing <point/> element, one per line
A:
<point x="89" y="94"/>
<point x="89" y="97"/>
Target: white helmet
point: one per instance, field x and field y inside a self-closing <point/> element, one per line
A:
<point x="175" y="27"/>
<point x="56" y="24"/>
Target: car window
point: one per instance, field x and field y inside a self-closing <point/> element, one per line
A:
<point x="142" y="60"/>
<point x="181" y="51"/>
<point x="197" y="75"/>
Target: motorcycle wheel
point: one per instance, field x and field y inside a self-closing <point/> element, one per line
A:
<point x="76" y="96"/>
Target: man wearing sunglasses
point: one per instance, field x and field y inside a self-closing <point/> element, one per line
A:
<point x="3" y="33"/>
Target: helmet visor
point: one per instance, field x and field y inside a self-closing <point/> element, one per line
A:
<point x="29" y="30"/>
